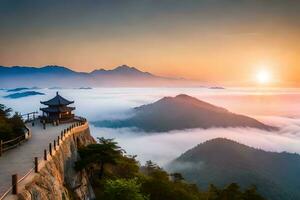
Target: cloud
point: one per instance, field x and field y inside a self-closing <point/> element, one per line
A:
<point x="111" y="103"/>
<point x="164" y="147"/>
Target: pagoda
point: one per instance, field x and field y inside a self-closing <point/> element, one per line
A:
<point x="57" y="110"/>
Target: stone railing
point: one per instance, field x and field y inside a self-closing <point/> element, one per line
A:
<point x="65" y="134"/>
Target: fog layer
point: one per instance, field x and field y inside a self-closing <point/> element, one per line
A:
<point x="274" y="107"/>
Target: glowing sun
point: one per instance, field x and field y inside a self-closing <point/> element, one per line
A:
<point x="263" y="77"/>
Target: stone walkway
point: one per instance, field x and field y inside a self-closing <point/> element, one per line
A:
<point x="20" y="160"/>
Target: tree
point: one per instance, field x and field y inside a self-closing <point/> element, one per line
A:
<point x="177" y="177"/>
<point x="213" y="193"/>
<point x="153" y="170"/>
<point x="17" y="124"/>
<point x="232" y="191"/>
<point x="251" y="194"/>
<point x="157" y="183"/>
<point x="100" y="154"/>
<point x="127" y="167"/>
<point x="10" y="127"/>
<point x="4" y="112"/>
<point x="125" y="189"/>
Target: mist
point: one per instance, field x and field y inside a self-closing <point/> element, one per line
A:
<point x="164" y="147"/>
<point x="277" y="107"/>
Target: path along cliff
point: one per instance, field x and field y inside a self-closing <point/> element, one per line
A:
<point x="57" y="178"/>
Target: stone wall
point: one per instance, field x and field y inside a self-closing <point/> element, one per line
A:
<point x="57" y="179"/>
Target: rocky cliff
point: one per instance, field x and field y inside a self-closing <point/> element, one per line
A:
<point x="57" y="179"/>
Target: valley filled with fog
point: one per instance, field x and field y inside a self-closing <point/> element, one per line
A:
<point x="277" y="107"/>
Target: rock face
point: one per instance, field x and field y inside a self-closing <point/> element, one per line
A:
<point x="57" y="179"/>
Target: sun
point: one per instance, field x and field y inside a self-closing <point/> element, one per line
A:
<point x="263" y="76"/>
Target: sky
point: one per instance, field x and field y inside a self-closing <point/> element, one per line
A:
<point x="222" y="41"/>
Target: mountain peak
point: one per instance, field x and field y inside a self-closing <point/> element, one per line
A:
<point x="221" y="160"/>
<point x="126" y="68"/>
<point x="54" y="67"/>
<point x="183" y="112"/>
<point x="194" y="102"/>
<point x="222" y="143"/>
<point x="123" y="70"/>
<point x="183" y="96"/>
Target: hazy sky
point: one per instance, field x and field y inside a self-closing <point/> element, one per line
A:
<point x="222" y="41"/>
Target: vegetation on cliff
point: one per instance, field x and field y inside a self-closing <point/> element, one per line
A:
<point x="11" y="126"/>
<point x="116" y="176"/>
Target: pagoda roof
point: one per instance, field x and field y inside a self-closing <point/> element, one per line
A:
<point x="57" y="101"/>
<point x="57" y="109"/>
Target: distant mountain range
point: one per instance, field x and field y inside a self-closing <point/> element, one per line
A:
<point x="182" y="112"/>
<point x="221" y="161"/>
<point x="58" y="76"/>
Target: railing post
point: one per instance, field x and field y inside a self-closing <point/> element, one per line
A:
<point x="36" y="165"/>
<point x="14" y="183"/>
<point x="45" y="154"/>
<point x="50" y="149"/>
<point x="62" y="135"/>
<point x="1" y="148"/>
<point x="58" y="139"/>
<point x="54" y="145"/>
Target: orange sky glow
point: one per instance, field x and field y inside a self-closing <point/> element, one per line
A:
<point x="227" y="48"/>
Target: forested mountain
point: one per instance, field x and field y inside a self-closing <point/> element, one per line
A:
<point x="221" y="161"/>
<point x="182" y="112"/>
<point x="116" y="176"/>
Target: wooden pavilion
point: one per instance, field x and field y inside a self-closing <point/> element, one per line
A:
<point x="57" y="110"/>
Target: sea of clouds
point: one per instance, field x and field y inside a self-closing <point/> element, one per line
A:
<point x="278" y="107"/>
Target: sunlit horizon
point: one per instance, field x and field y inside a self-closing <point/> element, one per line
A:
<point x="190" y="39"/>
